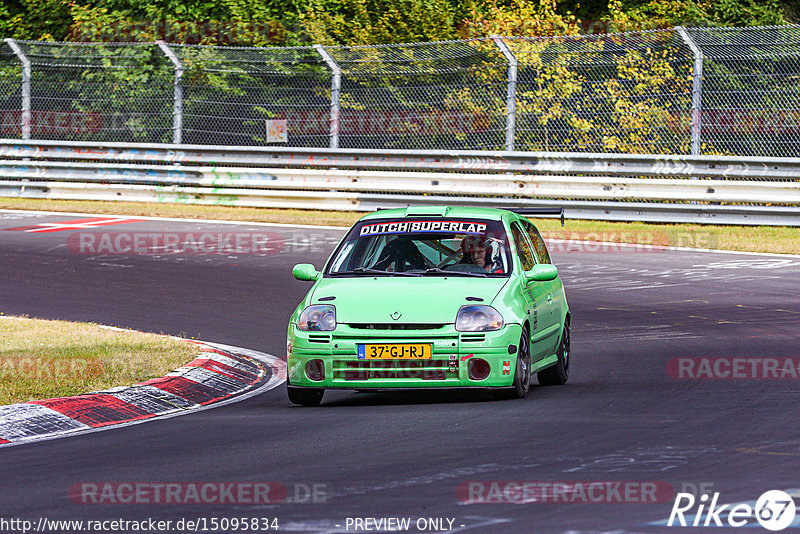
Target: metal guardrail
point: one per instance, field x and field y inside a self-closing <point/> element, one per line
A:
<point x="705" y="189"/>
<point x="731" y="167"/>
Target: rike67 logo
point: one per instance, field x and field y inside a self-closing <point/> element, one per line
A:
<point x="774" y="510"/>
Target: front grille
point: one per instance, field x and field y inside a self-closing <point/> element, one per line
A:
<point x="472" y="338"/>
<point x="319" y="338"/>
<point x="395" y="326"/>
<point x="394" y="369"/>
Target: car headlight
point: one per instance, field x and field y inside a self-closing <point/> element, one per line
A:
<point x="478" y="319"/>
<point x="318" y="317"/>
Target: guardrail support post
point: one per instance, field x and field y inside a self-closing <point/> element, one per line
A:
<point x="336" y="89"/>
<point x="511" y="93"/>
<point x="25" y="117"/>
<point x="697" y="88"/>
<point x="177" y="104"/>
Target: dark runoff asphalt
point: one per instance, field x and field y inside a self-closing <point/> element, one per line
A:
<point x="648" y="412"/>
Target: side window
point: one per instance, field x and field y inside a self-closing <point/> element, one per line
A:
<point x="538" y="242"/>
<point x="523" y="249"/>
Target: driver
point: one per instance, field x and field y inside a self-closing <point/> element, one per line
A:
<point x="480" y="250"/>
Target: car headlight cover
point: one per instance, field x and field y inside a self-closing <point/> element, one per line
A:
<point x="478" y="319"/>
<point x="320" y="317"/>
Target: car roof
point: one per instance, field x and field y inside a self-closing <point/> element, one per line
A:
<point x="441" y="211"/>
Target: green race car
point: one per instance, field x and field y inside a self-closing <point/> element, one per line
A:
<point x="431" y="297"/>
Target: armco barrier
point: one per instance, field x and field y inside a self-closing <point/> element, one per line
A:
<point x="706" y="189"/>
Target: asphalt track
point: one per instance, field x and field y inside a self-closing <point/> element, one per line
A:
<point x="621" y="417"/>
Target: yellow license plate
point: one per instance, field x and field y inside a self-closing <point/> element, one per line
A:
<point x="395" y="351"/>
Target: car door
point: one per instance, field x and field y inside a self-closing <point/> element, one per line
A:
<point x="534" y="293"/>
<point x="556" y="300"/>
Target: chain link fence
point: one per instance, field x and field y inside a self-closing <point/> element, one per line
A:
<point x="10" y="92"/>
<point x="230" y="94"/>
<point x="445" y="95"/>
<point x="725" y="91"/>
<point x="750" y="91"/>
<point x="95" y="92"/>
<point x="625" y="93"/>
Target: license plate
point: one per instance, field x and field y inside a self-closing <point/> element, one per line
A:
<point x="395" y="351"/>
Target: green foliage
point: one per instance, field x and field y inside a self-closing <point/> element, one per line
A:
<point x="521" y="18"/>
<point x="35" y="19"/>
<point x="707" y="12"/>
<point x="380" y="21"/>
<point x="355" y="22"/>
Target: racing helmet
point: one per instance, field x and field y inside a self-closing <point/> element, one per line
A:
<point x="492" y="247"/>
<point x="473" y="242"/>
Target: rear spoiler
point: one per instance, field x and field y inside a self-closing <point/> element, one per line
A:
<point x="540" y="211"/>
<point x="520" y="211"/>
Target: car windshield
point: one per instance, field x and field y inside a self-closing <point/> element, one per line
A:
<point x="424" y="247"/>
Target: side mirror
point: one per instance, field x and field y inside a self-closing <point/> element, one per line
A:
<point x="305" y="272"/>
<point x="542" y="273"/>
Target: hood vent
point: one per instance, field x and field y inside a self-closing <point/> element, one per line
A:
<point x="395" y="326"/>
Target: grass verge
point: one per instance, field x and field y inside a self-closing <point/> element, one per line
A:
<point x="41" y="359"/>
<point x="775" y="239"/>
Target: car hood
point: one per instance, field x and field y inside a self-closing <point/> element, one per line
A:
<point x="428" y="299"/>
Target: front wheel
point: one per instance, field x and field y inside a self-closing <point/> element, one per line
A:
<point x="522" y="373"/>
<point x="305" y="396"/>
<point x="558" y="374"/>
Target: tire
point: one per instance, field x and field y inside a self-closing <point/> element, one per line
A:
<point x="522" y="372"/>
<point x="558" y="374"/>
<point x="305" y="396"/>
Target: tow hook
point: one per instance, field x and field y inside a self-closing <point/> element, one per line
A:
<point x="452" y="364"/>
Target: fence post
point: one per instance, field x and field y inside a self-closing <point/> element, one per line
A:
<point x="25" y="117"/>
<point x="697" y="89"/>
<point x="336" y="89"/>
<point x="177" y="103"/>
<point x="511" y="93"/>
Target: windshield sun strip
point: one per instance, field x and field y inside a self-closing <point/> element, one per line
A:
<point x="446" y="253"/>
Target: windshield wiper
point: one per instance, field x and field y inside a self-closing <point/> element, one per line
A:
<point x="436" y="270"/>
<point x="368" y="270"/>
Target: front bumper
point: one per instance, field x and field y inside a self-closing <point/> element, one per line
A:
<point x="448" y="368"/>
